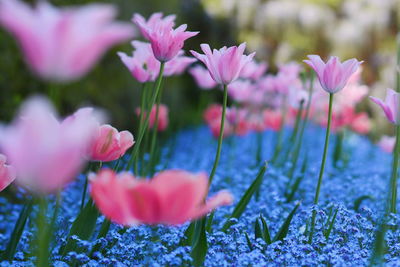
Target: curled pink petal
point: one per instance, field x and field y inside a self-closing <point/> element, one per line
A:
<point x="7" y="173"/>
<point x="391" y="105"/>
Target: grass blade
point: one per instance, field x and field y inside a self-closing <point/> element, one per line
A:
<point x="244" y="201"/>
<point x="285" y="226"/>
<point x="200" y="247"/>
<point x="267" y="235"/>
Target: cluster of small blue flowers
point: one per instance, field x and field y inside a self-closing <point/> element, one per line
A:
<point x="355" y="190"/>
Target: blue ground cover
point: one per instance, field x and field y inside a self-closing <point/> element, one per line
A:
<point x="365" y="177"/>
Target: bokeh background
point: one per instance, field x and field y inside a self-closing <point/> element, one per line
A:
<point x="279" y="30"/>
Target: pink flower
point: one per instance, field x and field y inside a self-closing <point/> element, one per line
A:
<point x="171" y="197"/>
<point x="391" y="105"/>
<point x="109" y="144"/>
<point x="145" y="67"/>
<point x="333" y="75"/>
<point x="361" y="123"/>
<point x="62" y="44"/>
<point x="253" y="70"/>
<point x="165" y="41"/>
<point x="202" y="77"/>
<point x="273" y="119"/>
<point x="226" y="64"/>
<point x="387" y="143"/>
<point x="7" y="173"/>
<point x="46" y="154"/>
<point x="163" y="120"/>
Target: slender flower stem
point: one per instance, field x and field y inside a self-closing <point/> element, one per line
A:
<point x="146" y="122"/>
<point x="321" y="172"/>
<point x="279" y="141"/>
<point x="221" y="135"/>
<point x="42" y="259"/>
<point x="395" y="168"/>
<point x="299" y="141"/>
<point x="143" y="110"/>
<point x="154" y="135"/>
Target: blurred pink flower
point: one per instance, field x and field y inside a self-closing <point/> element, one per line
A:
<point x="333" y="75"/>
<point x="273" y="119"/>
<point x="145" y="67"/>
<point x="46" y="154"/>
<point x="361" y="123"/>
<point x="391" y="105"/>
<point x="226" y="64"/>
<point x="171" y="197"/>
<point x="108" y="144"/>
<point x="387" y="143"/>
<point x="202" y="77"/>
<point x="62" y="44"/>
<point x="163" y="120"/>
<point x="165" y="41"/>
<point x="7" y="173"/>
<point x="253" y="70"/>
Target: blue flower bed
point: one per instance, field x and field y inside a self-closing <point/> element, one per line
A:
<point x="365" y="177"/>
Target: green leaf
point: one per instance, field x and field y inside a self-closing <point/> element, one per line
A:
<point x="83" y="226"/>
<point x="248" y="240"/>
<point x="188" y="235"/>
<point x="199" y="248"/>
<point x="258" y="233"/>
<point x="244" y="201"/>
<point x="267" y="235"/>
<point x="358" y="201"/>
<point x="285" y="226"/>
<point x="18" y="230"/>
<point x="331" y="223"/>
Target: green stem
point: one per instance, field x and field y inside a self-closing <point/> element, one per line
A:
<point x="395" y="168"/>
<point x="279" y="141"/>
<point x="42" y="259"/>
<point x="299" y="140"/>
<point x="143" y="110"/>
<point x="221" y="135"/>
<point x="154" y="136"/>
<point x="321" y="172"/>
<point x="146" y="122"/>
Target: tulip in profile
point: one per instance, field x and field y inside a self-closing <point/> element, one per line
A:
<point x="333" y="75"/>
<point x="165" y="41"/>
<point x="391" y="105"/>
<point x="108" y="144"/>
<point x="62" y="44"/>
<point x="46" y="153"/>
<point x="7" y="173"/>
<point x="225" y="66"/>
<point x="171" y="197"/>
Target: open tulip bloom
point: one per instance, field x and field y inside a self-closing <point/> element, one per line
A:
<point x="224" y="66"/>
<point x="333" y="77"/>
<point x="171" y="197"/>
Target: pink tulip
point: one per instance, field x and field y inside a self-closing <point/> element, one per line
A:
<point x="333" y="75"/>
<point x="145" y="67"/>
<point x="391" y="105"/>
<point x="171" y="197"/>
<point x="387" y="143"/>
<point x="62" y="44"/>
<point x="7" y="173"/>
<point x="46" y="154"/>
<point x="163" y="120"/>
<point x="202" y="77"/>
<point x="253" y="70"/>
<point x="273" y="119"/>
<point x="361" y="123"/>
<point x="226" y="64"/>
<point x="165" y="41"/>
<point x="109" y="144"/>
